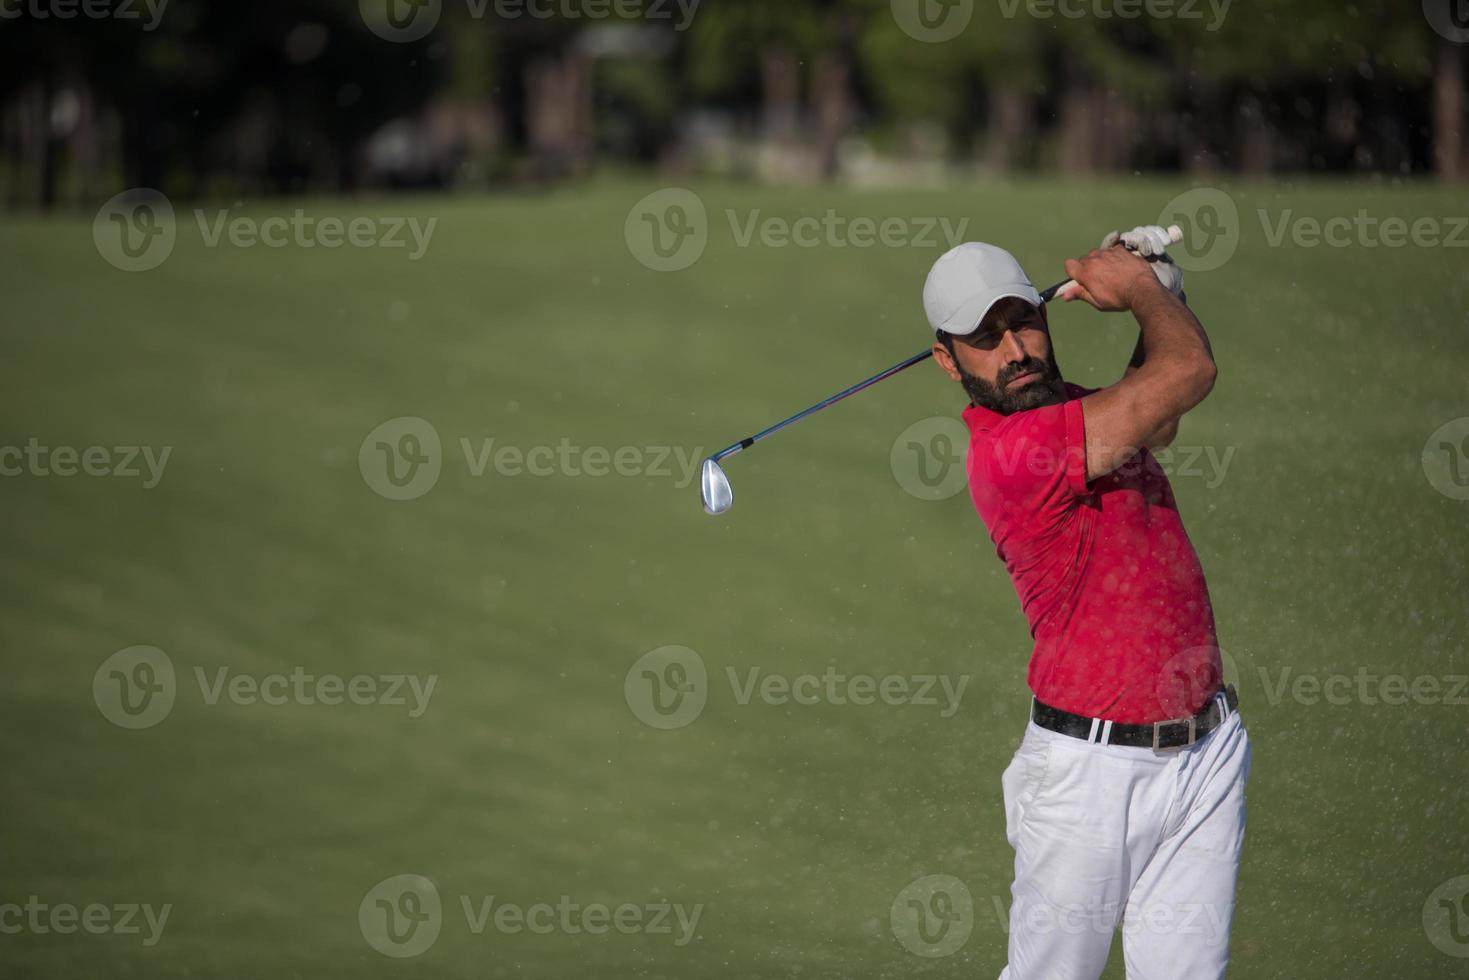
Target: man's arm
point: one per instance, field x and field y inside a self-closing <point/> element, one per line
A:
<point x="1169" y="430"/>
<point x="1173" y="366"/>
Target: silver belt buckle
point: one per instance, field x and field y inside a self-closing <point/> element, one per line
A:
<point x="1193" y="730"/>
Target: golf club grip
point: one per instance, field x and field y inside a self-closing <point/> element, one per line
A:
<point x="1175" y="235"/>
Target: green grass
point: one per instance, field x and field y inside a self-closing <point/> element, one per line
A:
<point x="528" y="778"/>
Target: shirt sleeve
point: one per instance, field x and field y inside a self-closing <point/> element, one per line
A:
<point x="1033" y="461"/>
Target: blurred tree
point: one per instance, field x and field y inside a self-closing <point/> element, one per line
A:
<point x="1450" y="148"/>
<point x="285" y="95"/>
<point x="760" y="48"/>
<point x="470" y="115"/>
<point x="1314" y="84"/>
<point x="275" y="95"/>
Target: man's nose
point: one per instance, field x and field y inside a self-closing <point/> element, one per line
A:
<point x="1010" y="344"/>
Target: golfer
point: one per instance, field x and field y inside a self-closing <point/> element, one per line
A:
<point x="1125" y="802"/>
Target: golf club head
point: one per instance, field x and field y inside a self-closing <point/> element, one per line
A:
<point x="714" y="488"/>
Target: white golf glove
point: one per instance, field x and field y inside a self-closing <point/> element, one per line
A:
<point x="1151" y="242"/>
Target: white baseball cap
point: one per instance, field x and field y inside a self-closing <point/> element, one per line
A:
<point x="969" y="279"/>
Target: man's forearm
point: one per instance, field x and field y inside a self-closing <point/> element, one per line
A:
<point x="1173" y="348"/>
<point x="1168" y="329"/>
<point x="1165" y="433"/>
<point x="1171" y="338"/>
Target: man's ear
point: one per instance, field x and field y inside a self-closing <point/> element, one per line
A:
<point x="945" y="361"/>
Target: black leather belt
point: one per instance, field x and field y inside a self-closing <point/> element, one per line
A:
<point x="1162" y="735"/>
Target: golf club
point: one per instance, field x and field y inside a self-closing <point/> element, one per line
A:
<point x="714" y="488"/>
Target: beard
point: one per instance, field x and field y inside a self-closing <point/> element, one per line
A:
<point x="1046" y="389"/>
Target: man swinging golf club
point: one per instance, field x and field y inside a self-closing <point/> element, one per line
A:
<point x="1125" y="800"/>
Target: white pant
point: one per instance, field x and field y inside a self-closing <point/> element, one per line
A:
<point x="1108" y="835"/>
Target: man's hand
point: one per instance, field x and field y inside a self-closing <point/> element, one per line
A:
<point x="1146" y="240"/>
<point x="1151" y="242"/>
<point x="1111" y="279"/>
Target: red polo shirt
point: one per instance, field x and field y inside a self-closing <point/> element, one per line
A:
<point x="1105" y="572"/>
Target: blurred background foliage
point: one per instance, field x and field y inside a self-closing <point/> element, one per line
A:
<point x="303" y="96"/>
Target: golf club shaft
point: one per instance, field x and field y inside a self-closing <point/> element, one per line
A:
<point x="847" y="392"/>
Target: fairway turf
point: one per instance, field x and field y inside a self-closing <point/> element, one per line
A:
<point x="528" y="777"/>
